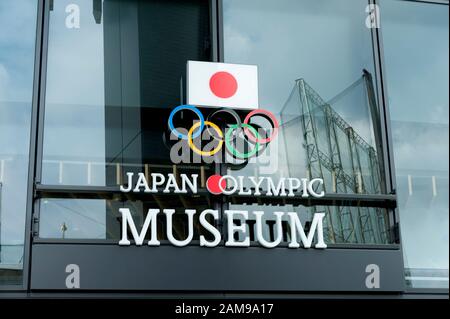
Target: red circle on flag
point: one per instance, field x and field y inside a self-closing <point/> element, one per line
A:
<point x="223" y="84"/>
<point x="212" y="184"/>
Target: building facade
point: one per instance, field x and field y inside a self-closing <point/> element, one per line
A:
<point x="358" y="90"/>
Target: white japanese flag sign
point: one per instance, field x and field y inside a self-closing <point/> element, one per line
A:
<point x="222" y="85"/>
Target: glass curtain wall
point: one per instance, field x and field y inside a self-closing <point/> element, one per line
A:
<point x="116" y="69"/>
<point x="316" y="74"/>
<point x="106" y="114"/>
<point x="415" y="37"/>
<point x="17" y="48"/>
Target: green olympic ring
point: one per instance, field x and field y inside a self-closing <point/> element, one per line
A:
<point x="233" y="150"/>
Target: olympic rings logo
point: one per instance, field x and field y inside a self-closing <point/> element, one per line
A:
<point x="251" y="134"/>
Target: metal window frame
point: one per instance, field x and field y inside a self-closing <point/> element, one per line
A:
<point x="444" y="2"/>
<point x="216" y="19"/>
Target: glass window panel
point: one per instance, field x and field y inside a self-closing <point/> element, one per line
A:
<point x="341" y="225"/>
<point x="75" y="218"/>
<point x="415" y="37"/>
<point x="17" y="45"/>
<point x="111" y="77"/>
<point x="319" y="82"/>
<point x="100" y="219"/>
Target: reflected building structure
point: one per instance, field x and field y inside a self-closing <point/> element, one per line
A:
<point x="336" y="153"/>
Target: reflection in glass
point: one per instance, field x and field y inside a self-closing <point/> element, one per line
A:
<point x="319" y="82"/>
<point x="415" y="37"/>
<point x="370" y="225"/>
<point x="327" y="99"/>
<point x="17" y="41"/>
<point x="76" y="218"/>
<point x="331" y="148"/>
<point x="111" y="83"/>
<point x="101" y="219"/>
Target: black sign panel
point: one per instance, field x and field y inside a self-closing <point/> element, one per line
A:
<point x="193" y="268"/>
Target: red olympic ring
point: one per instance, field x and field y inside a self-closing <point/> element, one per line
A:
<point x="268" y="115"/>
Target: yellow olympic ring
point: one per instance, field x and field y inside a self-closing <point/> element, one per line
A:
<point x="195" y="148"/>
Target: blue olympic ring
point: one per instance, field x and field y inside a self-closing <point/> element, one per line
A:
<point x="193" y="109"/>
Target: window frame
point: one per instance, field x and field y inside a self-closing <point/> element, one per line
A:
<point x="387" y="200"/>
